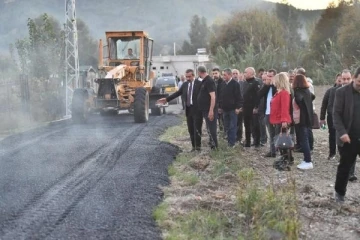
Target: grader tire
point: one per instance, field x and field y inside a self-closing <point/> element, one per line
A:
<point x="141" y="105"/>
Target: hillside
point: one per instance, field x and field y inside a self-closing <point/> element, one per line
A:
<point x="166" y="21"/>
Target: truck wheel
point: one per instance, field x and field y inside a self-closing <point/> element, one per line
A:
<point x="79" y="111"/>
<point x="141" y="105"/>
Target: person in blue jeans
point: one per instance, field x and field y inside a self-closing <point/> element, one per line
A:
<point x="230" y="104"/>
<point x="303" y="100"/>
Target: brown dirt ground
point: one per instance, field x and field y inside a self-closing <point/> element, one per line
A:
<point x="320" y="217"/>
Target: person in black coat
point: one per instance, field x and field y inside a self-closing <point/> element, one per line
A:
<point x="326" y="108"/>
<point x="261" y="114"/>
<point x="207" y="104"/>
<point x="239" y="77"/>
<point x="219" y="82"/>
<point x="190" y="91"/>
<point x="303" y="99"/>
<point x="346" y="116"/>
<point x="230" y="103"/>
<point x="251" y="103"/>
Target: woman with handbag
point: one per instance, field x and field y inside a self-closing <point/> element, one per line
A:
<point x="280" y="115"/>
<point x="303" y="117"/>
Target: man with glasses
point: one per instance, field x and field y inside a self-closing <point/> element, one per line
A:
<point x="190" y="91"/>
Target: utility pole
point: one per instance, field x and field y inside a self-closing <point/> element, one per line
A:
<point x="71" y="54"/>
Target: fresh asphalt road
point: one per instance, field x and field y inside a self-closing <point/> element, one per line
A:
<point x="98" y="180"/>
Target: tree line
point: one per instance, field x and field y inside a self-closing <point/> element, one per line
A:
<point x="272" y="39"/>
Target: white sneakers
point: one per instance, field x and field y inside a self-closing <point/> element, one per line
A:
<point x="305" y="165"/>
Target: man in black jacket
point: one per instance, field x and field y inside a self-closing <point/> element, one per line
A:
<point x="207" y="105"/>
<point x="238" y="77"/>
<point x="266" y="93"/>
<point x="251" y="104"/>
<point x="346" y="116"/>
<point x="190" y="91"/>
<point x="230" y="104"/>
<point x="261" y="114"/>
<point x="327" y="107"/>
<point x="219" y="82"/>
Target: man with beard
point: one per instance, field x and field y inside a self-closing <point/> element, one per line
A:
<point x="250" y="106"/>
<point x="346" y="116"/>
<point x="219" y="82"/>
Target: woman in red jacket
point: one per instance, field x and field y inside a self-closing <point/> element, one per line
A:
<point x="280" y="103"/>
<point x="280" y="107"/>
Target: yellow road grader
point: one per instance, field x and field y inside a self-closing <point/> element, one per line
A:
<point x="125" y="79"/>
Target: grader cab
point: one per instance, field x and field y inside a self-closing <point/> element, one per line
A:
<point x="125" y="78"/>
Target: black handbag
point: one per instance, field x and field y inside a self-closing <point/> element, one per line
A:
<point x="284" y="141"/>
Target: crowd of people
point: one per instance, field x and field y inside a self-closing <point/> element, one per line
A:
<point x="265" y="105"/>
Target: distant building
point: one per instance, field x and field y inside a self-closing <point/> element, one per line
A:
<point x="177" y="65"/>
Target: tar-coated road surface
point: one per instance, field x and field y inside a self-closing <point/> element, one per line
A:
<point x="98" y="180"/>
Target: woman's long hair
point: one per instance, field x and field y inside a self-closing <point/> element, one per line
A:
<point x="281" y="81"/>
<point x="300" y="82"/>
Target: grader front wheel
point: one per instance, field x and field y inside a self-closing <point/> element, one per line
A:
<point x="141" y="105"/>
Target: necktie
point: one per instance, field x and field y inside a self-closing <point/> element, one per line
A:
<point x="188" y="103"/>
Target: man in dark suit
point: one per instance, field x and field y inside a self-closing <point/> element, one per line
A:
<point x="189" y="91"/>
<point x="346" y="117"/>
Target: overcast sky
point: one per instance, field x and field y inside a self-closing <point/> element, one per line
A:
<point x="307" y="4"/>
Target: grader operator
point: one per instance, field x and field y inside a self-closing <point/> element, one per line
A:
<point x="125" y="79"/>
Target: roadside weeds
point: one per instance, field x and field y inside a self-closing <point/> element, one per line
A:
<point x="221" y="195"/>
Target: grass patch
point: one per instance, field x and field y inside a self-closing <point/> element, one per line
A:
<point x="189" y="179"/>
<point x="160" y="213"/>
<point x="268" y="211"/>
<point x="175" y="132"/>
<point x="200" y="224"/>
<point x="225" y="200"/>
